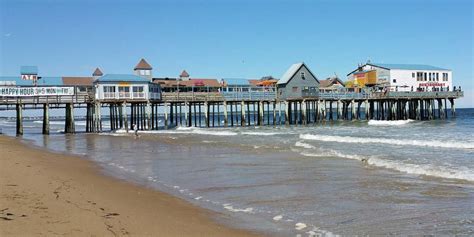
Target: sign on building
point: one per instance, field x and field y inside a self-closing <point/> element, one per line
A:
<point x="36" y="91"/>
<point x="29" y="77"/>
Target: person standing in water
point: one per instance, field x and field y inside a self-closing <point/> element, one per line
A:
<point x="135" y="129"/>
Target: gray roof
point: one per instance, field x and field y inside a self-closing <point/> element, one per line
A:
<point x="289" y="73"/>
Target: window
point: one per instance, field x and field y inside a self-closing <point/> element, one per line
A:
<point x="413" y="75"/>
<point x="445" y="76"/>
<point x="437" y="76"/>
<point x="302" y="75"/>
<point x="109" y="88"/>
<point x="394" y="80"/>
<point x="109" y="91"/>
<point x="429" y="76"/>
<point x="424" y="76"/>
<point x="294" y="89"/>
<point x="138" y="92"/>
<point x="138" y="89"/>
<point x="124" y="91"/>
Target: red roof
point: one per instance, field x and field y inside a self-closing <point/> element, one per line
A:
<point x="77" y="81"/>
<point x="184" y="74"/>
<point x="97" y="72"/>
<point x="143" y="64"/>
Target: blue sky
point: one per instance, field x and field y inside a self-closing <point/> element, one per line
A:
<point x="231" y="38"/>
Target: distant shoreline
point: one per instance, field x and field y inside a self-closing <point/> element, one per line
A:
<point x="49" y="193"/>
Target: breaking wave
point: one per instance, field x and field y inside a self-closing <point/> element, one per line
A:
<point x="416" y="169"/>
<point x="261" y="133"/>
<point x="363" y="140"/>
<point x="389" y="123"/>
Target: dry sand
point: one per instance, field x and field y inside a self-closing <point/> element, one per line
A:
<point x="44" y="193"/>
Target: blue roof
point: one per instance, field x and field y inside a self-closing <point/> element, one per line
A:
<point x="121" y="77"/>
<point x="237" y="81"/>
<point x="43" y="81"/>
<point x="29" y="70"/>
<point x="407" y="66"/>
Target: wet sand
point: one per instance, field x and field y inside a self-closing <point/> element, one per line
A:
<point x="44" y="193"/>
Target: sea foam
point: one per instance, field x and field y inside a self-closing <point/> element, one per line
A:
<point x="416" y="169"/>
<point x="407" y="142"/>
<point x="389" y="123"/>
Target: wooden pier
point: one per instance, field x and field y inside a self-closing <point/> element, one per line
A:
<point x="229" y="110"/>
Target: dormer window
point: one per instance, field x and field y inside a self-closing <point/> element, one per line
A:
<point x="302" y="75"/>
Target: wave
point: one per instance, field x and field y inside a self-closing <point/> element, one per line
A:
<point x="389" y="123"/>
<point x="304" y="145"/>
<point x="363" y="140"/>
<point x="182" y="130"/>
<point x="416" y="169"/>
<point x="261" y="133"/>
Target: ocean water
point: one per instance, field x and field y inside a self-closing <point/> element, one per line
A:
<point x="351" y="177"/>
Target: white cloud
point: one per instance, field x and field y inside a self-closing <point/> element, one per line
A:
<point x="7" y="34"/>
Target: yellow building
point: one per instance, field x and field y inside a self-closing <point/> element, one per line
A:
<point x="362" y="79"/>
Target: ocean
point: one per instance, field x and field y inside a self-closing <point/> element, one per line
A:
<point x="332" y="178"/>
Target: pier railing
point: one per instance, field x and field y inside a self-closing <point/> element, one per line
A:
<point x="62" y="99"/>
<point x="191" y="96"/>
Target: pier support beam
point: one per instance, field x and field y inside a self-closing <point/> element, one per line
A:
<point x="124" y="116"/>
<point x="206" y="113"/>
<point x="148" y="116"/>
<point x="45" y="119"/>
<point x="353" y="110"/>
<point x="303" y="114"/>
<point x="287" y="114"/>
<point x="69" y="126"/>
<point x="242" y="114"/>
<point x="226" y="121"/>
<point x="367" y="110"/>
<point x="19" y="119"/>
<point x="453" y="108"/>
<point x="260" y="113"/>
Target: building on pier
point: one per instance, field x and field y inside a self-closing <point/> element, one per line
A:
<point x="184" y="83"/>
<point x="125" y="87"/>
<point x="82" y="84"/>
<point x="331" y="84"/>
<point x="298" y="82"/>
<point x="400" y="77"/>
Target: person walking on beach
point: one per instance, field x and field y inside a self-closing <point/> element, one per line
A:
<point x="135" y="129"/>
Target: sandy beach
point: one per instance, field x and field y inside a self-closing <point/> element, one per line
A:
<point x="44" y="193"/>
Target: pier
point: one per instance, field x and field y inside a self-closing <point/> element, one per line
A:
<point x="231" y="109"/>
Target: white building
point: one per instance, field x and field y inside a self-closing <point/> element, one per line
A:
<point x="126" y="87"/>
<point x="408" y="77"/>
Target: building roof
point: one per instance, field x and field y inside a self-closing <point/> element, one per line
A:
<point x="292" y="71"/>
<point x="143" y="64"/>
<point x="29" y="70"/>
<point x="78" y="81"/>
<point x="330" y="81"/>
<point x="196" y="82"/>
<point x="97" y="73"/>
<point x="238" y="81"/>
<point x="407" y="66"/>
<point x="184" y="74"/>
<point x="289" y="73"/>
<point x="121" y="77"/>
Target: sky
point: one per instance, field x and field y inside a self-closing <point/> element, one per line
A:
<point x="236" y="39"/>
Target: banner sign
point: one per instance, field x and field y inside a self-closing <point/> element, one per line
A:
<point x="36" y="91"/>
